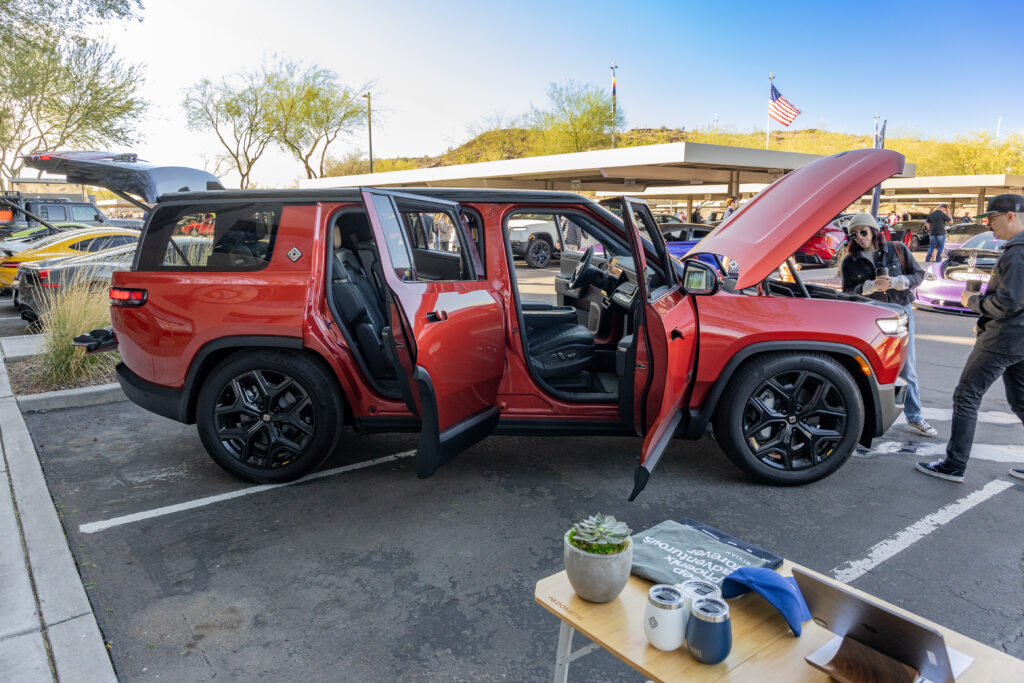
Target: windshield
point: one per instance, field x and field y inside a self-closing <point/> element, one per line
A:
<point x="986" y="240"/>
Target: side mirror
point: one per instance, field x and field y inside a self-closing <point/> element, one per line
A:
<point x="699" y="278"/>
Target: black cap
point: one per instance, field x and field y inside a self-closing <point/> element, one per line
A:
<point x="1002" y="203"/>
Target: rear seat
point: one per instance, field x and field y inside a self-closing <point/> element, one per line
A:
<point x="361" y="308"/>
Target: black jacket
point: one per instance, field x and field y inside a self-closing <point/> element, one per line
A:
<point x="859" y="273"/>
<point x="1001" y="327"/>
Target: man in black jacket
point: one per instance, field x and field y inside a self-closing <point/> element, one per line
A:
<point x="999" y="348"/>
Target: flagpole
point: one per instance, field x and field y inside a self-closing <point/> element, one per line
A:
<point x="768" y="124"/>
<point x="613" y="67"/>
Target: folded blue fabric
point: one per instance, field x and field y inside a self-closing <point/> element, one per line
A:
<point x="781" y="592"/>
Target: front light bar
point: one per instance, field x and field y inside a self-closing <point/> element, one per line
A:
<point x="895" y="326"/>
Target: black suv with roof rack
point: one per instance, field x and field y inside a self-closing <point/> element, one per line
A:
<point x="18" y="212"/>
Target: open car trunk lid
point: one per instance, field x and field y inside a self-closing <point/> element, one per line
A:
<point x="124" y="173"/>
<point x="782" y="217"/>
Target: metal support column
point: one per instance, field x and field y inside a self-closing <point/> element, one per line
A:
<point x="981" y="201"/>
<point x="689" y="209"/>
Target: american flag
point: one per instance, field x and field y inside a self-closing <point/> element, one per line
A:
<point x="780" y="109"/>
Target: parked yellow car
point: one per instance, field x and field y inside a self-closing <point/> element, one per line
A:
<point x="74" y="243"/>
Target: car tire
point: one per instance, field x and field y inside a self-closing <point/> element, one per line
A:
<point x="538" y="253"/>
<point x="269" y="416"/>
<point x="798" y="444"/>
<point x="915" y="243"/>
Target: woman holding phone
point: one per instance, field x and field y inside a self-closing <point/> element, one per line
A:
<point x="886" y="271"/>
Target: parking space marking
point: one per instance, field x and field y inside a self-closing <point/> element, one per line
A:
<point x="881" y="552"/>
<point x="947" y="339"/>
<point x="93" y="527"/>
<point x="979" y="451"/>
<point x="995" y="417"/>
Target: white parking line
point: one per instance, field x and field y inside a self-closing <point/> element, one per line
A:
<point x="93" y="527"/>
<point x="948" y="339"/>
<point x="979" y="451"/>
<point x="915" y="532"/>
<point x="995" y="417"/>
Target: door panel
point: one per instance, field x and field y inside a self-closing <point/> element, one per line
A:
<point x="447" y="337"/>
<point x="664" y="338"/>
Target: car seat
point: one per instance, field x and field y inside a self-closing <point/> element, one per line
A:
<point x="560" y="350"/>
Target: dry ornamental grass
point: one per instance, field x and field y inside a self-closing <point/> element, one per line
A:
<point x="67" y="312"/>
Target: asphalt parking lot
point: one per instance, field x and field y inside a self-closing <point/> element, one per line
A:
<point x="367" y="573"/>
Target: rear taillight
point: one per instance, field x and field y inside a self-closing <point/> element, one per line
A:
<point x="120" y="296"/>
<point x="10" y="264"/>
<point x="44" y="275"/>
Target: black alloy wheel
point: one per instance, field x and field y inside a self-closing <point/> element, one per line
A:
<point x="790" y="419"/>
<point x="914" y="243"/>
<point x="269" y="416"/>
<point x="538" y="253"/>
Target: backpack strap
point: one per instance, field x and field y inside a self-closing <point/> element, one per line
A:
<point x="900" y="256"/>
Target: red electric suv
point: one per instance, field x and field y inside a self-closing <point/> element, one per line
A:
<point x="307" y="311"/>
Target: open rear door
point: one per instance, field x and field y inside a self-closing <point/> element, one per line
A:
<point x="446" y="328"/>
<point x="664" y="342"/>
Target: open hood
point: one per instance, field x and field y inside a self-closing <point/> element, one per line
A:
<point x="774" y="224"/>
<point x="124" y="173"/>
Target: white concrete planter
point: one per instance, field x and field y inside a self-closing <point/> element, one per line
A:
<point x="597" y="578"/>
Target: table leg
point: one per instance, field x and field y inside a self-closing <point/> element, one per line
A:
<point x="562" y="653"/>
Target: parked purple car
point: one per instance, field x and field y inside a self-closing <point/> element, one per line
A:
<point x="946" y="280"/>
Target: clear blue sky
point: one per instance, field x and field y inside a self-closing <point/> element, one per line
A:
<point x="934" y="69"/>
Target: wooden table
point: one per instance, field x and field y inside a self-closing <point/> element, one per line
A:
<point x="764" y="649"/>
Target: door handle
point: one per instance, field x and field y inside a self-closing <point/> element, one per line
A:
<point x="677" y="334"/>
<point x="437" y="316"/>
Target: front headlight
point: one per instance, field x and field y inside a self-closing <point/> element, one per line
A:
<point x="893" y="327"/>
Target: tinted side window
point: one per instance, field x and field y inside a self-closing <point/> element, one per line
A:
<point x="242" y="238"/>
<point x="84" y="213"/>
<point x="83" y="245"/>
<point x="54" y="213"/>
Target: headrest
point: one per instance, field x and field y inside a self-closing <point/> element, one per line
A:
<point x="337" y="236"/>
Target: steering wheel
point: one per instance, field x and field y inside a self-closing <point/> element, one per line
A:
<point x="577" y="280"/>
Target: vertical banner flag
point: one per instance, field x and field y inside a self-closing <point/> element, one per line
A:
<point x="779" y="108"/>
<point x="613" y="84"/>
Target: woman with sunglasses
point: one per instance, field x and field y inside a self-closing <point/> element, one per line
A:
<point x="886" y="271"/>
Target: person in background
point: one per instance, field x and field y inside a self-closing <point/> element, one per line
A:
<point x="965" y="218"/>
<point x="444" y="229"/>
<point x="937" y="222"/>
<point x="999" y="347"/>
<point x="730" y="207"/>
<point x="572" y="235"/>
<point x="696" y="216"/>
<point x="886" y="271"/>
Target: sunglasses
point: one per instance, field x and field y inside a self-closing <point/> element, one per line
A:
<point x="866" y="232"/>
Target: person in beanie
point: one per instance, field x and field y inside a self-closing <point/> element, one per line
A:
<point x="999" y="347"/>
<point x="937" y="222"/>
<point x="886" y="271"/>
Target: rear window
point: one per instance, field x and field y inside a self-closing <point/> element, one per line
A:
<point x="234" y="237"/>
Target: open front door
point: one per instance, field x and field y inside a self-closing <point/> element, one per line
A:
<point x="664" y="342"/>
<point x="446" y="328"/>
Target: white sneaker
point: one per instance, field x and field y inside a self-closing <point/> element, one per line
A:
<point x="923" y="427"/>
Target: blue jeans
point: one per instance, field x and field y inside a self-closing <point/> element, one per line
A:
<point x="938" y="243"/>
<point x="912" y="403"/>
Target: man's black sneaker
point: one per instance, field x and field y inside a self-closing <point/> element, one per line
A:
<point x="942" y="470"/>
<point x="1017" y="472"/>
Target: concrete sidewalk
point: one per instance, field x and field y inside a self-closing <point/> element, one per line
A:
<point x="48" y="631"/>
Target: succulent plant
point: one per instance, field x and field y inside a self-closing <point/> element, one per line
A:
<point x="600" y="534"/>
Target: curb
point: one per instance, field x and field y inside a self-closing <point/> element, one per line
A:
<point x="21" y="346"/>
<point x="71" y="398"/>
<point x="46" y="608"/>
